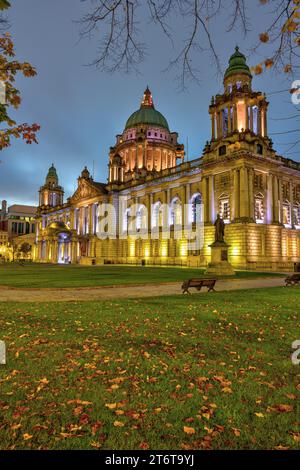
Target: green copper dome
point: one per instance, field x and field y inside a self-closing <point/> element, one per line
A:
<point x="147" y="115"/>
<point x="237" y="64"/>
<point x="52" y="172"/>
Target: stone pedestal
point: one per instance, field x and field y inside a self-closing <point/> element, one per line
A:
<point x="219" y="265"/>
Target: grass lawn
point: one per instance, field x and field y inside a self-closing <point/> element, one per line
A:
<point x="39" y="275"/>
<point x="198" y="372"/>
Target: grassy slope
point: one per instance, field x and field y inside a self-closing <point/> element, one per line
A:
<point x="208" y="362"/>
<point x="38" y="275"/>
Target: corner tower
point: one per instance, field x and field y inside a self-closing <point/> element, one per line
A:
<point x="239" y="115"/>
<point x="51" y="194"/>
<point x="145" y="146"/>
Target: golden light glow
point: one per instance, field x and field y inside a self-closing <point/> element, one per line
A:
<point x="241" y="118"/>
<point x="183" y="248"/>
<point x="147" y="252"/>
<point x="132" y="248"/>
<point x="164" y="248"/>
<point x="235" y="250"/>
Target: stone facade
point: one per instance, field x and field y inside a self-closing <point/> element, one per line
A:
<point x="240" y="176"/>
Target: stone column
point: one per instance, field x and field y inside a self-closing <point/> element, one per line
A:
<point x="270" y="199"/>
<point x="259" y="123"/>
<point x="235" y="123"/>
<point x="244" y="196"/>
<point x="211" y="199"/>
<point x="275" y="200"/>
<point x="186" y="206"/>
<point x="280" y="200"/>
<point x="229" y="119"/>
<point x="91" y="232"/>
<point x="251" y="118"/>
<point x="218" y="124"/>
<point x="236" y="194"/>
<point x="246" y="116"/>
<point x="149" y="208"/>
<point x="213" y="130"/>
<point x="292" y="204"/>
<point x="251" y="195"/>
<point x="204" y="198"/>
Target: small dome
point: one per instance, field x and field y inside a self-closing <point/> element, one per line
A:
<point x="237" y="64"/>
<point x="59" y="225"/>
<point x="52" y="173"/>
<point x="147" y="114"/>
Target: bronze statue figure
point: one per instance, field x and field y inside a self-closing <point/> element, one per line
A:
<point x="219" y="229"/>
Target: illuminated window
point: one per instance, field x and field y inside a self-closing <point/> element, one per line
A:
<point x="157" y="215"/>
<point x="176" y="212"/>
<point x="286" y="212"/>
<point x="196" y="209"/>
<point x="126" y="220"/>
<point x="259" y="208"/>
<point x="255" y="119"/>
<point x="224" y="207"/>
<point x="225" y="121"/>
<point x="296" y="211"/>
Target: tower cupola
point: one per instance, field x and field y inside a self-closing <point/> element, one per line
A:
<point x="51" y="194"/>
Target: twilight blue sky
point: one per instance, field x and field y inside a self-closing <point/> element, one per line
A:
<point x="82" y="109"/>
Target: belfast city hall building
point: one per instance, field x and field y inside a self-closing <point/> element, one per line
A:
<point x="239" y="176"/>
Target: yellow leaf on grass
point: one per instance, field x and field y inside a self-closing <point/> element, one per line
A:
<point x="118" y="424"/>
<point x="188" y="430"/>
<point x="260" y="415"/>
<point x="111" y="406"/>
<point x="26" y="436"/>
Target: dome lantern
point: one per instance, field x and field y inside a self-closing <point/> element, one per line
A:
<point x="237" y="70"/>
<point x="147" y="114"/>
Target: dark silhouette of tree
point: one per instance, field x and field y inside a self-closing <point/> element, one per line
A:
<point x="118" y="26"/>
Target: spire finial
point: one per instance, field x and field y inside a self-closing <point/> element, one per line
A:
<point x="147" y="101"/>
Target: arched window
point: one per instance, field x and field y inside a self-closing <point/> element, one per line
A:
<point x="259" y="211"/>
<point x="286" y="212"/>
<point x="126" y="216"/>
<point x="176" y="212"/>
<point x="141" y="218"/>
<point x="224" y="207"/>
<point x="195" y="214"/>
<point x="296" y="214"/>
<point x="157" y="215"/>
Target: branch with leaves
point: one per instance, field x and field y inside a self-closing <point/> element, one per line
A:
<point x="9" y="68"/>
<point x="117" y="24"/>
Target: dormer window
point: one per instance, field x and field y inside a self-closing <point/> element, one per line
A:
<point x="259" y="149"/>
<point x="222" y="150"/>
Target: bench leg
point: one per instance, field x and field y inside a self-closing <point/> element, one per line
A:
<point x="185" y="290"/>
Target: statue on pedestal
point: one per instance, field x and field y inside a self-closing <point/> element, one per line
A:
<point x="219" y="229"/>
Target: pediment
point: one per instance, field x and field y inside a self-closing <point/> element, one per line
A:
<point x="86" y="190"/>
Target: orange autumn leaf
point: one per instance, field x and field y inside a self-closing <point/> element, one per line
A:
<point x="118" y="424"/>
<point x="189" y="430"/>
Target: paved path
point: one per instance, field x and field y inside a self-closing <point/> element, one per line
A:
<point x="124" y="292"/>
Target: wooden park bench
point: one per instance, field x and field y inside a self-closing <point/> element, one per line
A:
<point x="198" y="284"/>
<point x="292" y="280"/>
